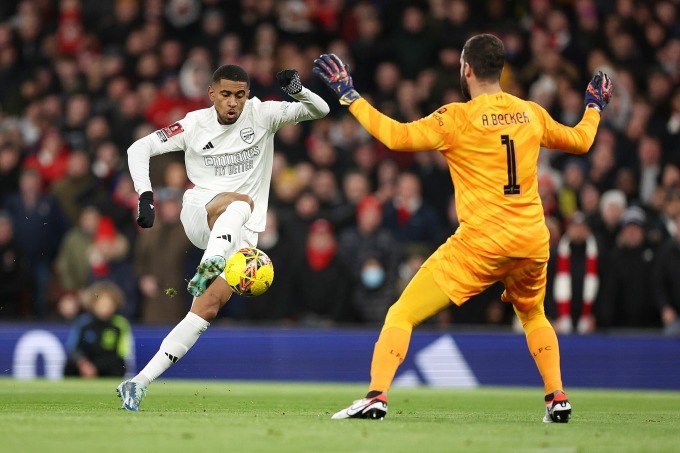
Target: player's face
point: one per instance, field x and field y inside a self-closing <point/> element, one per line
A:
<point x="464" y="87"/>
<point x="229" y="98"/>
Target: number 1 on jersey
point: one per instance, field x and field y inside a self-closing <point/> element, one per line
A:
<point x="512" y="188"/>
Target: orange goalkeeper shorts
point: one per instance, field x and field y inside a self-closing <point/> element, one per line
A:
<point x="462" y="271"/>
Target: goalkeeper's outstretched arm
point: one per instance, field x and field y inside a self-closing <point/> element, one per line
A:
<point x="421" y="135"/>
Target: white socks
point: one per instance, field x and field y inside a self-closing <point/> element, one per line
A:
<point x="174" y="346"/>
<point x="226" y="232"/>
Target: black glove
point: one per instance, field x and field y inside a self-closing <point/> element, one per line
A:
<point x="145" y="211"/>
<point x="289" y="81"/>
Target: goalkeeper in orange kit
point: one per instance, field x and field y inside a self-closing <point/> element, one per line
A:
<point x="491" y="144"/>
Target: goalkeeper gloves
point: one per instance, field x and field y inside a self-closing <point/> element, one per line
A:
<point x="599" y="92"/>
<point x="145" y="211"/>
<point x="335" y="74"/>
<point x="289" y="81"/>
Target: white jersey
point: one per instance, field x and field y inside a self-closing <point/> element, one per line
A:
<point x="227" y="158"/>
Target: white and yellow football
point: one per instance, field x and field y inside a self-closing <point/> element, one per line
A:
<point x="249" y="272"/>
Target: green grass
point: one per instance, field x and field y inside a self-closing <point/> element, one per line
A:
<point x="201" y="416"/>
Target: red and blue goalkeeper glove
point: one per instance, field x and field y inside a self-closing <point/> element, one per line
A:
<point x="599" y="92"/>
<point x="335" y="74"/>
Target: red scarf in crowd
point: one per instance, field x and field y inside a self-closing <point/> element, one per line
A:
<point x="320" y="259"/>
<point x="563" y="288"/>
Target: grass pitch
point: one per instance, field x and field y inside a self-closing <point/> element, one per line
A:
<point x="201" y="416"/>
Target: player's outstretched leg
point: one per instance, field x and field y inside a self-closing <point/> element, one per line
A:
<point x="132" y="394"/>
<point x="374" y="407"/>
<point x="206" y="273"/>
<point x="557" y="408"/>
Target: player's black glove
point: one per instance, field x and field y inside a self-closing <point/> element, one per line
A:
<point x="145" y="211"/>
<point x="335" y="74"/>
<point x="289" y="81"/>
<point x="599" y="92"/>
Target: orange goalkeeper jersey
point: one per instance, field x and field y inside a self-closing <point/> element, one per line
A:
<point x="491" y="145"/>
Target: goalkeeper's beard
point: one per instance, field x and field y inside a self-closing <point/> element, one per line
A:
<point x="465" y="88"/>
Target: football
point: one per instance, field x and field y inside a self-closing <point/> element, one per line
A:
<point x="249" y="272"/>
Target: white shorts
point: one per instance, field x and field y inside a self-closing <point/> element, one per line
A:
<point x="194" y="218"/>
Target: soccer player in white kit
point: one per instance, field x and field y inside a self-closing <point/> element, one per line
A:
<point x="229" y="151"/>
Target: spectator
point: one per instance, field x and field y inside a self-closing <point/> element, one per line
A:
<point x="321" y="282"/>
<point x="100" y="340"/>
<point x="667" y="282"/>
<point x="372" y="255"/>
<point x="575" y="171"/>
<point x="10" y="169"/>
<point x="50" y="158"/>
<point x="412" y="44"/>
<point x="77" y="187"/>
<point x="649" y="169"/>
<point x="276" y="305"/>
<point x="14" y="272"/>
<point x="107" y="165"/>
<point x="108" y="261"/>
<point x="77" y="112"/>
<point x="577" y="277"/>
<point x="369" y="47"/>
<point x="606" y="228"/>
<point x="627" y="284"/>
<point x="669" y="211"/>
<point x="411" y="219"/>
<point x="159" y="260"/>
<point x="72" y="262"/>
<point x="39" y="226"/>
<point x="305" y="212"/>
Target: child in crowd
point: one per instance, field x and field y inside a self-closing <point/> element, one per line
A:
<point x="100" y="339"/>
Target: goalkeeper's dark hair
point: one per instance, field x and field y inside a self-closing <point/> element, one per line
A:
<point x="231" y="72"/>
<point x="485" y="54"/>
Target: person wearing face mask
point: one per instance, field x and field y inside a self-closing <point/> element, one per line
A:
<point x="372" y="253"/>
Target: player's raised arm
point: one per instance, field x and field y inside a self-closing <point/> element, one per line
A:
<point x="579" y="139"/>
<point x="424" y="134"/>
<point x="162" y="141"/>
<point x="310" y="106"/>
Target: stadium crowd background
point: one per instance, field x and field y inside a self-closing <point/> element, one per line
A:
<point x="349" y="221"/>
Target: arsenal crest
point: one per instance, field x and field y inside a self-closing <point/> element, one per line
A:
<point x="248" y="134"/>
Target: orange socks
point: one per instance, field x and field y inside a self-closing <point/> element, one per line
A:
<point x="545" y="350"/>
<point x="390" y="350"/>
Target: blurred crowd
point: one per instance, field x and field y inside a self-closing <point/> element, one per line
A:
<point x="350" y="221"/>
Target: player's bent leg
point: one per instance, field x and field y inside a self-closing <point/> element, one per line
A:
<point x="176" y="344"/>
<point x="227" y="213"/>
<point x="209" y="304"/>
<point x="421" y="299"/>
